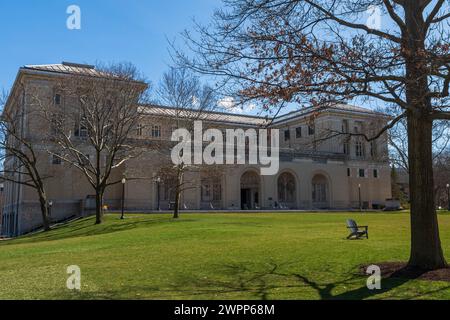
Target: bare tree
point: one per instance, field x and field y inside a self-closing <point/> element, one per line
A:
<point x="19" y="153"/>
<point x="398" y="152"/>
<point x="94" y="132"/>
<point x="321" y="52"/>
<point x="442" y="178"/>
<point x="190" y="100"/>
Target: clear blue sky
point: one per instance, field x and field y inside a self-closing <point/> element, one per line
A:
<point x="35" y="32"/>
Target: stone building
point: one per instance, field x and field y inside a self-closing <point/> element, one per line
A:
<point x="324" y="162"/>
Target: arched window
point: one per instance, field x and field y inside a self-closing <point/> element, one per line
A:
<point x="286" y="187"/>
<point x="320" y="189"/>
<point x="211" y="190"/>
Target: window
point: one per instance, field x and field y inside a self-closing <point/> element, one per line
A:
<point x="287" y="135"/>
<point x="319" y="192"/>
<point x="2" y="187"/>
<point x="206" y="194"/>
<point x="298" y="132"/>
<point x="56" y="160"/>
<point x="346" y="148"/>
<point x="156" y="131"/>
<point x="139" y="129"/>
<point x="359" y="150"/>
<point x="362" y="173"/>
<point x="211" y="191"/>
<point x="349" y="172"/>
<point x="57" y="99"/>
<point x="311" y="130"/>
<point x="375" y="173"/>
<point x="80" y="129"/>
<point x="286" y="188"/>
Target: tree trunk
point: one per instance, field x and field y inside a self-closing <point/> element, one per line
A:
<point x="180" y="172"/>
<point x="176" y="210"/>
<point x="98" y="207"/>
<point x="44" y="211"/>
<point x="426" y="250"/>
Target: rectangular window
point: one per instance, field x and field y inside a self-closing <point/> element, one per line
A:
<point x="80" y="129"/>
<point x="139" y="130"/>
<point x="349" y="172"/>
<point x="287" y="135"/>
<point x="311" y="130"/>
<point x="346" y="148"/>
<point x="298" y="132"/>
<point x="57" y="99"/>
<point x="362" y="173"/>
<point x="375" y="173"/>
<point x="206" y="195"/>
<point x="156" y="131"/>
<point x="211" y="192"/>
<point x="359" y="150"/>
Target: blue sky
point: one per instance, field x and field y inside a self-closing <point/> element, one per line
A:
<point x="35" y="32"/>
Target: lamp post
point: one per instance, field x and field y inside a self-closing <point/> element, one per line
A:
<point x="448" y="196"/>
<point x="158" y="183"/>
<point x="50" y="205"/>
<point x="124" y="181"/>
<point x="359" y="196"/>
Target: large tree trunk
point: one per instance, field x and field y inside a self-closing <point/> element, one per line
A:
<point x="426" y="251"/>
<point x="44" y="211"/>
<point x="99" y="207"/>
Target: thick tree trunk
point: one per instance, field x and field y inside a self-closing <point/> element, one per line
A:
<point x="99" y="207"/>
<point x="426" y="250"/>
<point x="44" y="211"/>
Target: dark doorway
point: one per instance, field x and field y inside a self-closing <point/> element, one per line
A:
<point x="245" y="199"/>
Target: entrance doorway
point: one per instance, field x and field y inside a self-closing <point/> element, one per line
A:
<point x="250" y="191"/>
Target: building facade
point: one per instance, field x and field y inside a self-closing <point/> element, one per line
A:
<point x="325" y="162"/>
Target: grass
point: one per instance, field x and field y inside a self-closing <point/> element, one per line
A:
<point x="217" y="256"/>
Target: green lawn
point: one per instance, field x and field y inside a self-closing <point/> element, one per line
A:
<point x="215" y="256"/>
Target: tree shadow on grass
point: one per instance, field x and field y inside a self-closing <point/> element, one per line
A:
<point x="260" y="282"/>
<point x="86" y="228"/>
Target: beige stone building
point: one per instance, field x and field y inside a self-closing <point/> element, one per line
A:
<point x="321" y="165"/>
